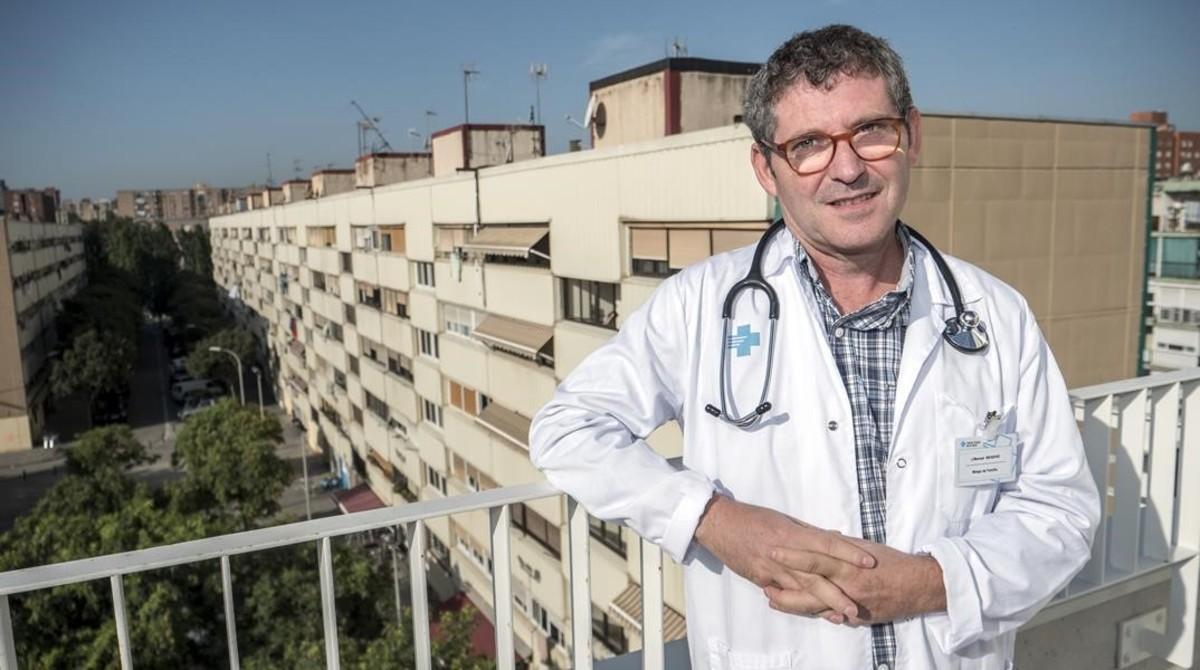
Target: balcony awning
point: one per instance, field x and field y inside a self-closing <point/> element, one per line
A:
<point x="628" y="606"/>
<point x="508" y="241"/>
<point x="380" y="462"/>
<point x="507" y="423"/>
<point x="358" y="499"/>
<point x="521" y="336"/>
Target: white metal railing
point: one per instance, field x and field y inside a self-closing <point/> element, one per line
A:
<point x="1142" y="438"/>
<point x="413" y="518"/>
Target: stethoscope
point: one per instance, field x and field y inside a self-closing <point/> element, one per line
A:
<point x="964" y="331"/>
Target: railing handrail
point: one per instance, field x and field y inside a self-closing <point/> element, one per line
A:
<point x="194" y="551"/>
<point x="1135" y="384"/>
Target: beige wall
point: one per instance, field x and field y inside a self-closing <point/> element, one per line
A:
<point x="708" y="100"/>
<point x="1056" y="209"/>
<point x="447" y="154"/>
<point x="329" y="183"/>
<point x="372" y="171"/>
<point x="634" y="110"/>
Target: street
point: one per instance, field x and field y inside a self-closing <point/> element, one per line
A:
<point x="26" y="476"/>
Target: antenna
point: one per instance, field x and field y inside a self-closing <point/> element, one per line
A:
<point x="368" y="123"/>
<point x="429" y="114"/>
<point x="538" y="71"/>
<point x="468" y="71"/>
<point x="677" y="48"/>
<point x="296" y="167"/>
<point x="412" y="132"/>
<point x="270" y="177"/>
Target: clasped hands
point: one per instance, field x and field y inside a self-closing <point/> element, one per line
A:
<point x="809" y="571"/>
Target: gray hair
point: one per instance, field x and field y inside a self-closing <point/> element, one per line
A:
<point x="821" y="56"/>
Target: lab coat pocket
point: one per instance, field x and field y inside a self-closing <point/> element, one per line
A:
<point x="721" y="657"/>
<point x="958" y="503"/>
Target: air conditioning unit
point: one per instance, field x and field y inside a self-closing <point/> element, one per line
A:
<point x="364" y="240"/>
<point x="397" y="428"/>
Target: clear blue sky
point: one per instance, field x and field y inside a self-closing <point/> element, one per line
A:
<point x="105" y="95"/>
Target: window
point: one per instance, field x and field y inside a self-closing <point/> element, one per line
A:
<point x="608" y="533"/>
<point x="375" y="405"/>
<point x="356" y="411"/>
<point x="350" y="313"/>
<point x="460" y="320"/>
<point x="368" y="295"/>
<point x="339" y="378"/>
<point x="590" y="302"/>
<point x="390" y="239"/>
<point x="467" y="399"/>
<point x="321" y="236"/>
<point x="395" y="303"/>
<point x="370" y="349"/>
<point x="347" y="262"/>
<point x="432" y="412"/>
<point x="428" y="343"/>
<point x="287" y="235"/>
<point x="399" y="365"/>
<point x="354" y="366"/>
<point x="535" y="526"/>
<point x="661" y="252"/>
<point x="468" y="474"/>
<point x="425" y="274"/>
<point x="435" y="479"/>
<point x="608" y="631"/>
<point x="318" y="280"/>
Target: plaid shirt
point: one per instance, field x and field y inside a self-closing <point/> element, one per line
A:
<point x="866" y="346"/>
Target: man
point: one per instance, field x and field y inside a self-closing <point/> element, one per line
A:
<point x="873" y="411"/>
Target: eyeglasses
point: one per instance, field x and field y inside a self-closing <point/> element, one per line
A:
<point x="871" y="141"/>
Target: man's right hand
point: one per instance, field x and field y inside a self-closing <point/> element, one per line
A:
<point x="744" y="536"/>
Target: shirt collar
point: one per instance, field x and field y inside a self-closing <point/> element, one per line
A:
<point x="808" y="270"/>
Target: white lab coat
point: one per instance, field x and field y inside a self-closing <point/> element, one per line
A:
<point x="1004" y="550"/>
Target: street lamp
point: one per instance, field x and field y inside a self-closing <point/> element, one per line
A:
<point x="258" y="376"/>
<point x="241" y="382"/>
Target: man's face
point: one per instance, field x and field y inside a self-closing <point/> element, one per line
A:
<point x="849" y="208"/>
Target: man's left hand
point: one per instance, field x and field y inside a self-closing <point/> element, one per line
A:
<point x="898" y="587"/>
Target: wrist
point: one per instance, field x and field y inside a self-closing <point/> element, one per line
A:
<point x="706" y="527"/>
<point x="933" y="591"/>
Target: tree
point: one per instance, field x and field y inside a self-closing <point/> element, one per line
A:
<point x="206" y="364"/>
<point x="94" y="364"/>
<point x="228" y="452"/>
<point x="197" y="251"/>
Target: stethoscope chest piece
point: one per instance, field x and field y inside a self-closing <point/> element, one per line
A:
<point x="966" y="333"/>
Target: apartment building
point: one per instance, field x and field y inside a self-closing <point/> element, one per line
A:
<point x="1178" y="151"/>
<point x="417" y="327"/>
<point x="175" y="204"/>
<point x="1173" y="296"/>
<point x="41" y="264"/>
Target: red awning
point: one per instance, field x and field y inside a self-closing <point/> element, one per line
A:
<point x="358" y="499"/>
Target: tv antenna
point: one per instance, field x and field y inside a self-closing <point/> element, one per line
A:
<point x="368" y="124"/>
<point x="429" y="114"/>
<point x="270" y="177"/>
<point x="468" y="71"/>
<point x="538" y="72"/>
<point x="677" y="48"/>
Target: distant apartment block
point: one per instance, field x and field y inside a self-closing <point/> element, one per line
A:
<point x="172" y="205"/>
<point x="41" y="264"/>
<point x="37" y="205"/>
<point x="416" y="328"/>
<point x="1178" y="151"/>
<point x="86" y="210"/>
<point x="1173" y="292"/>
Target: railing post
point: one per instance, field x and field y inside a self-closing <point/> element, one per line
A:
<point x="328" y="607"/>
<point x="122" y="620"/>
<point x="230" y="621"/>
<point x="1185" y="583"/>
<point x="420" y="601"/>
<point x="1157" y="528"/>
<point x="1097" y="444"/>
<point x="8" y="647"/>
<point x="653" y="651"/>
<point x="502" y="595"/>
<point x="1125" y="532"/>
<point x="581" y="586"/>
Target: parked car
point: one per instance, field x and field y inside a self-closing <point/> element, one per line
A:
<point x="210" y="386"/>
<point x="194" y="404"/>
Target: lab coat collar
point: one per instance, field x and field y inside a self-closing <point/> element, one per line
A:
<point x="782" y="252"/>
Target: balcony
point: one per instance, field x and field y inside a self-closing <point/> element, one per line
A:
<point x="1136" y="433"/>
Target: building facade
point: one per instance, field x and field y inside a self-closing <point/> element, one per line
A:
<point x="416" y="328"/>
<point x="1178" y="151"/>
<point x="41" y="264"/>
<point x="175" y="204"/>
<point x="1173" y="298"/>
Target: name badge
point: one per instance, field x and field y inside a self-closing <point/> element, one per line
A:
<point x="981" y="461"/>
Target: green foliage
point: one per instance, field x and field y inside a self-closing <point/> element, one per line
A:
<point x="146" y="252"/>
<point x="229" y="453"/>
<point x="195" y="307"/>
<point x="206" y="364"/>
<point x="197" y="251"/>
<point x="175" y="614"/>
<point x="94" y="363"/>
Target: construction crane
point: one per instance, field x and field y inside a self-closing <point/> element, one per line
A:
<point x="365" y="125"/>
